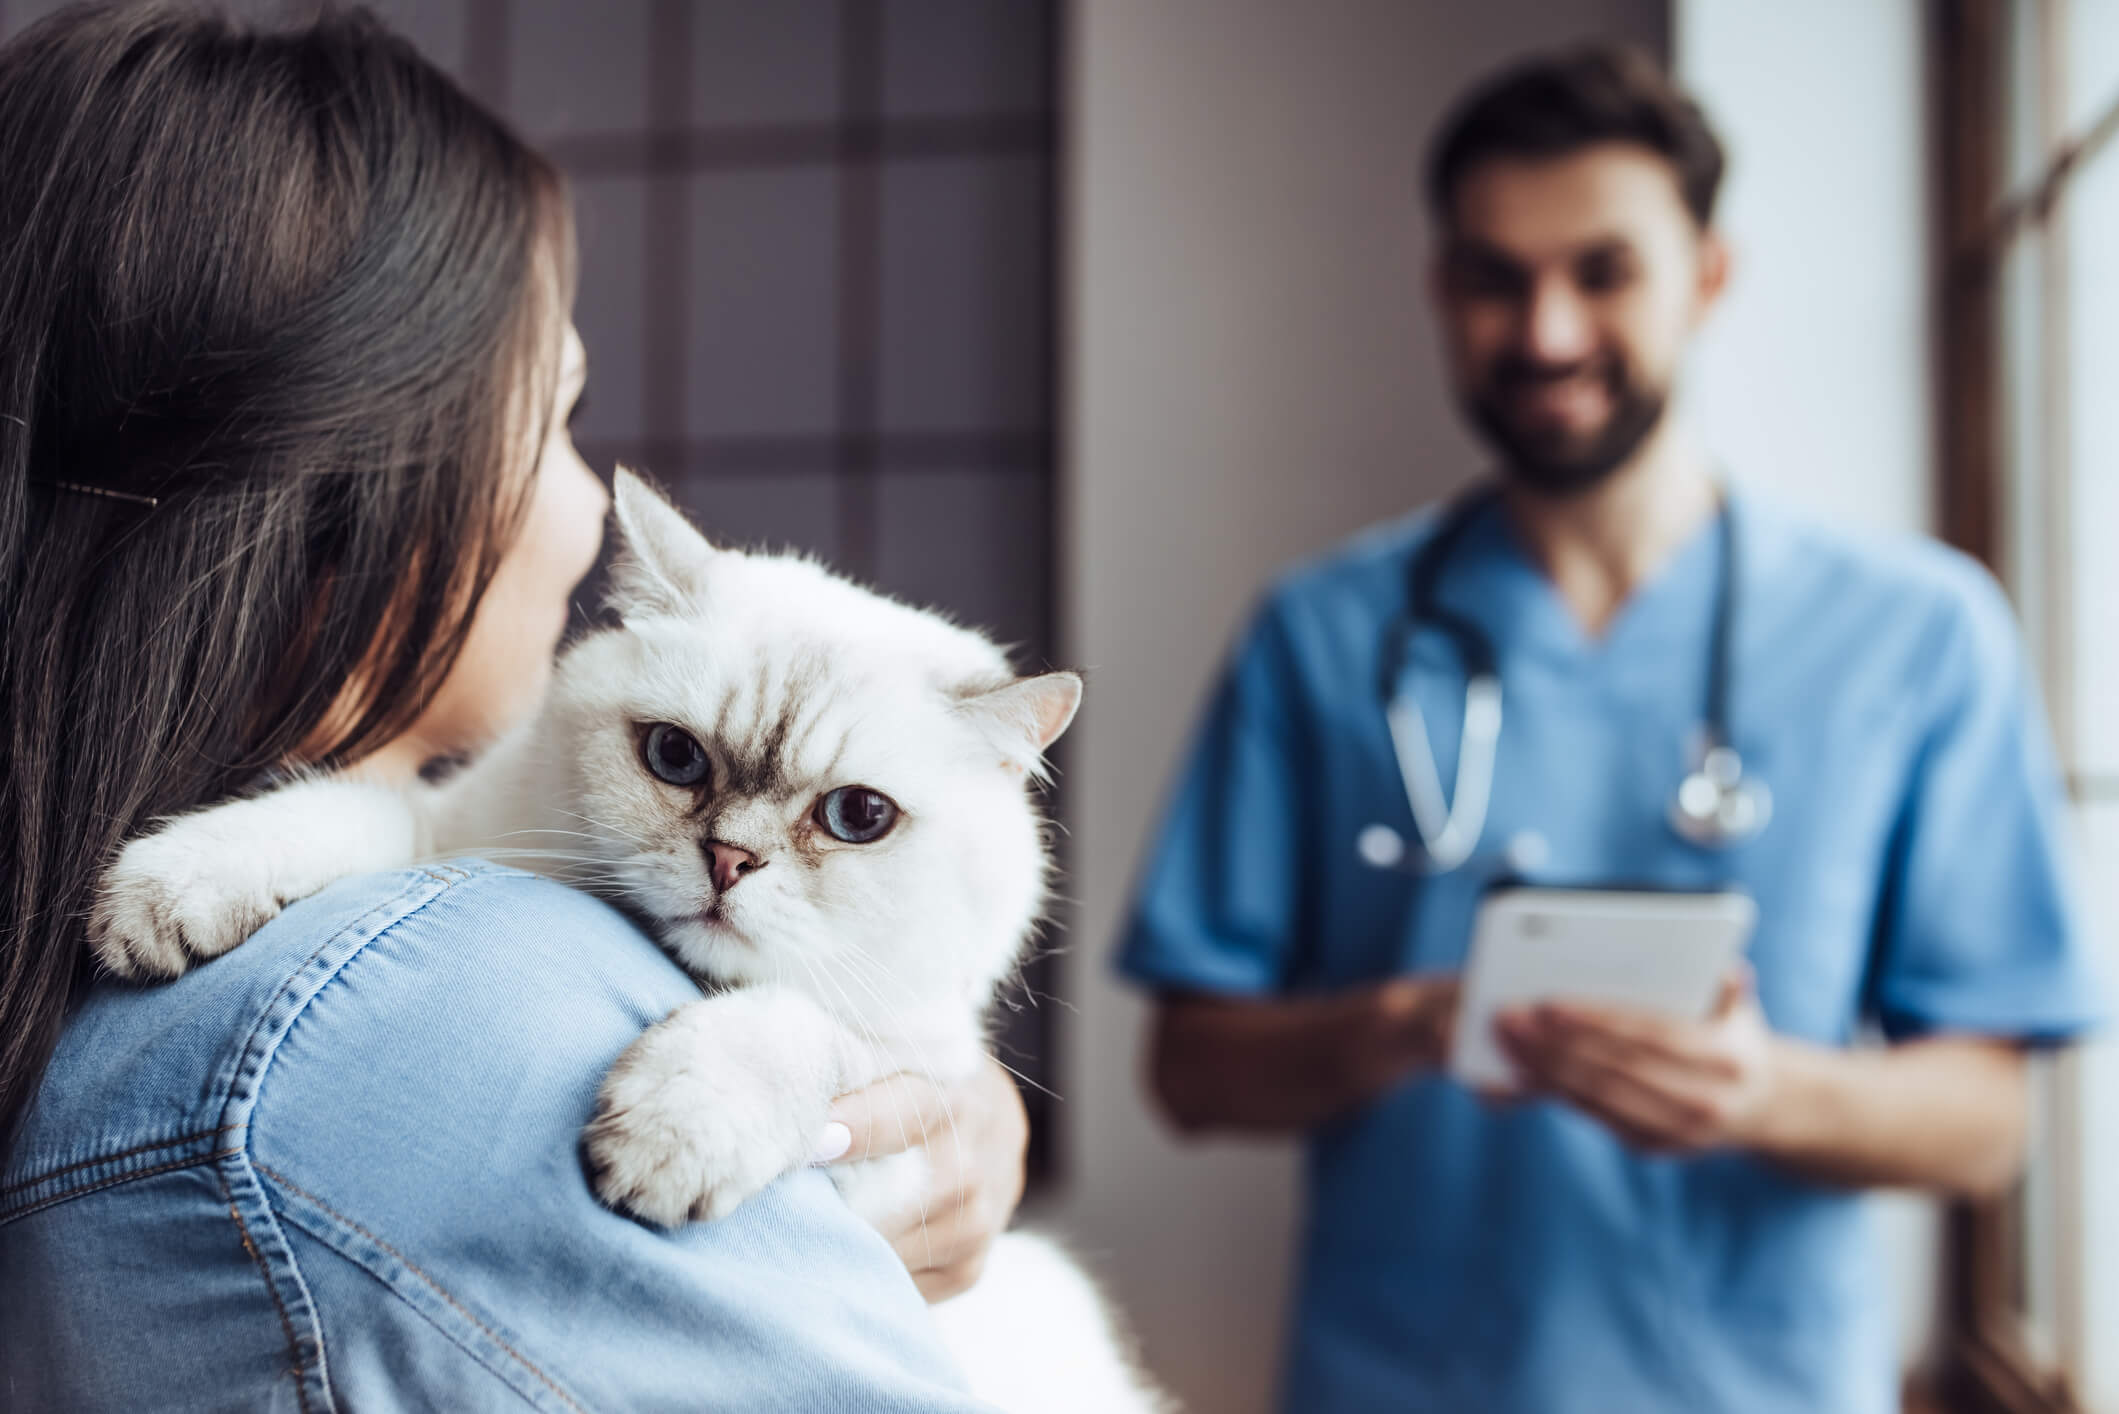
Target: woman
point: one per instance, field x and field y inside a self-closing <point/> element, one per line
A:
<point x="285" y="481"/>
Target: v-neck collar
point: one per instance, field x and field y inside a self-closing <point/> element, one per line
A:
<point x="1494" y="580"/>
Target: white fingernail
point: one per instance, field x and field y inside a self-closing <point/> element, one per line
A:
<point x="834" y="1141"/>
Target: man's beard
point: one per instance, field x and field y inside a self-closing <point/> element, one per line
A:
<point x="1553" y="462"/>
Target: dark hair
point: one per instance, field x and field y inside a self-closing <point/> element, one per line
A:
<point x="1558" y="104"/>
<point x="268" y="302"/>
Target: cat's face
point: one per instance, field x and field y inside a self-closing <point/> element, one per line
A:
<point x="802" y="782"/>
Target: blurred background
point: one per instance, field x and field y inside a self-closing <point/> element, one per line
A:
<point x="1079" y="319"/>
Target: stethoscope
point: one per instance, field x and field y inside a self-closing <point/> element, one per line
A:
<point x="1716" y="805"/>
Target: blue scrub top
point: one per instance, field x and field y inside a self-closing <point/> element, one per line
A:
<point x="1913" y="876"/>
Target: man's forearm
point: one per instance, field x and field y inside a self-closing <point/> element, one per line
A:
<point x="1947" y="1113"/>
<point x="1280" y="1065"/>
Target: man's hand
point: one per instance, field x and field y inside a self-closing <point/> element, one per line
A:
<point x="1416" y="1019"/>
<point x="975" y="1134"/>
<point x="1663" y="1085"/>
<point x="1940" y="1112"/>
<point x="1292" y="1063"/>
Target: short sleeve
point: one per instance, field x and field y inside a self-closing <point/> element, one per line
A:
<point x="1217" y="903"/>
<point x="1983" y="929"/>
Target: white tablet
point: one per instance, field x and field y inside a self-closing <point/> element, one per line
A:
<point x="1656" y="951"/>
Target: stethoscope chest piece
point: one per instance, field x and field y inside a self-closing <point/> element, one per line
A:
<point x="1716" y="805"/>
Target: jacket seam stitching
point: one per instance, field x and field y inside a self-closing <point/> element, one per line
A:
<point x="241" y="1090"/>
<point x="438" y="1289"/>
<point x="317" y="1227"/>
<point x="264" y="1026"/>
<point x="294" y="1349"/>
<point x="115" y="1179"/>
<point x="456" y="875"/>
<point x="51" y="1174"/>
<point x="244" y="1083"/>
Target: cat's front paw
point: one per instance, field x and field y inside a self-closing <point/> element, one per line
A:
<point x="173" y="900"/>
<point x="686" y="1126"/>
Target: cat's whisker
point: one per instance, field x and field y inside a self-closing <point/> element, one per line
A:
<point x="862" y="954"/>
<point x="956" y="1136"/>
<point x="527" y="852"/>
<point x="861" y="967"/>
<point x="619" y="830"/>
<point x="853" y="1014"/>
<point x="1041" y="1089"/>
<point x="565" y="865"/>
<point x="576" y="868"/>
<point x="877" y="1051"/>
<point x="867" y="1032"/>
<point x="1037" y="998"/>
<point x="858" y="1018"/>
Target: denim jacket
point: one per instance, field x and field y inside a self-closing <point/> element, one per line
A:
<point x="338" y="1169"/>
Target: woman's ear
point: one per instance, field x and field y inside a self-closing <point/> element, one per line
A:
<point x="1022" y="718"/>
<point x="662" y="560"/>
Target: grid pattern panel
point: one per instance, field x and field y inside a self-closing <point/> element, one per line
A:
<point x="844" y="250"/>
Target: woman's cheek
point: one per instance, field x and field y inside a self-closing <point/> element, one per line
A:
<point x="506" y="663"/>
<point x="580" y="506"/>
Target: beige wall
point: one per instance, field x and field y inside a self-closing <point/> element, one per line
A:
<point x="1249" y="375"/>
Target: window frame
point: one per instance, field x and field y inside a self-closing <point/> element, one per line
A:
<point x="1988" y="1359"/>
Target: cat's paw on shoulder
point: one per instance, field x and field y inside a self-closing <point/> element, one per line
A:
<point x="172" y="901"/>
<point x="680" y="1135"/>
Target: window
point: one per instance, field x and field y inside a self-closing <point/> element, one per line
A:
<point x="2028" y="96"/>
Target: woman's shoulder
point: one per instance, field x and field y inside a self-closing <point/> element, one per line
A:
<point x="459" y="960"/>
<point x="359" y="1132"/>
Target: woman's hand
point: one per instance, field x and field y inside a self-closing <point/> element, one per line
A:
<point x="975" y="1133"/>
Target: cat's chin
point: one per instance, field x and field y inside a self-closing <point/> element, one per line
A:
<point x="710" y="921"/>
<point x="708" y="930"/>
<point x="707" y="942"/>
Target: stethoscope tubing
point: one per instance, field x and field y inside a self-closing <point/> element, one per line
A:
<point x="1715" y="807"/>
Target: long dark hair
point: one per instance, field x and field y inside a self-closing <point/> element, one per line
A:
<point x="269" y="303"/>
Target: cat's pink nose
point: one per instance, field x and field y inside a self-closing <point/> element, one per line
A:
<point x="729" y="863"/>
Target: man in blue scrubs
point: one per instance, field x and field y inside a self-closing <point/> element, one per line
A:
<point x="1670" y="1217"/>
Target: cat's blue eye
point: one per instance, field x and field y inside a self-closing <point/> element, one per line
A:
<point x="674" y="754"/>
<point x="857" y="814"/>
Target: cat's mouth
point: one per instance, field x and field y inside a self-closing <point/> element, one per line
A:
<point x="712" y="919"/>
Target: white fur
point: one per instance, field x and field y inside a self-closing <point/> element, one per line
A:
<point x="196" y="888"/>
<point x="713" y="1104"/>
<point x="1020" y="1333"/>
<point x="841" y="963"/>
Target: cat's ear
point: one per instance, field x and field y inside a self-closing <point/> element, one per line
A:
<point x="1024" y="717"/>
<point x="662" y="561"/>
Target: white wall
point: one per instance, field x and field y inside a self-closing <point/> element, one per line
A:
<point x="1250" y="374"/>
<point x="2086" y="694"/>
<point x="1814" y="379"/>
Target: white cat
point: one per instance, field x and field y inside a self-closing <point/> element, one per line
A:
<point x="817" y="796"/>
